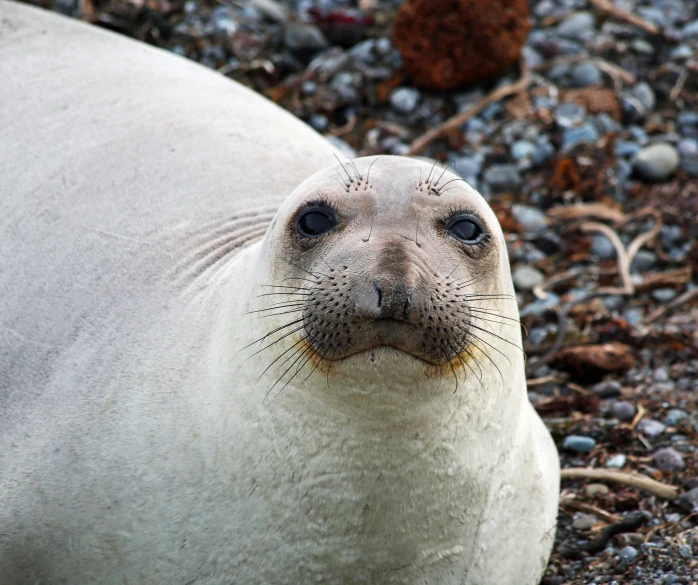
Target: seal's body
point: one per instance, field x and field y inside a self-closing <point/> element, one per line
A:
<point x="194" y="392"/>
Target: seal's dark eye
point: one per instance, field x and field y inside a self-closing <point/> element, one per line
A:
<point x="315" y="221"/>
<point x="465" y="230"/>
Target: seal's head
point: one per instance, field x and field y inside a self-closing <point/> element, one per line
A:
<point x="388" y="256"/>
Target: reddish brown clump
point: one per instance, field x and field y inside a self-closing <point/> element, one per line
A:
<point x="447" y="43"/>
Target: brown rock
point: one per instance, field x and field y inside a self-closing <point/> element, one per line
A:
<point x="447" y="43"/>
<point x="595" y="99"/>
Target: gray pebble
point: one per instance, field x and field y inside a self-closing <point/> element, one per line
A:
<point x="522" y="149"/>
<point x="544" y="150"/>
<point x="584" y="522"/>
<point x="578" y="26"/>
<point x="607" y="389"/>
<point x="308" y="87"/>
<point x="569" y="115"/>
<point x="404" y="99"/>
<point x="668" y="459"/>
<point x="625" y="148"/>
<point x="672" y="234"/>
<point x="674" y="416"/>
<point x="628" y="553"/>
<point x="656" y="162"/>
<point x="616" y="461"/>
<point x="644" y="260"/>
<point x="270" y="9"/>
<point x="671" y="579"/>
<point x="644" y="94"/>
<point x="299" y="36"/>
<point x="585" y="74"/>
<point x="642" y="46"/>
<point x="685" y="551"/>
<point x="528" y="217"/>
<point x="527" y="277"/>
<point x="633" y="316"/>
<point x="602" y="247"/>
<point x="681" y="52"/>
<point x="503" y="178"/>
<point x="586" y="133"/>
<point x="663" y="295"/>
<point x="690" y="30"/>
<point x="661" y="374"/>
<point x="650" y="427"/>
<point x="467" y="167"/>
<point x="688" y="501"/>
<point x="622" y="410"/>
<point x="319" y="123"/>
<point x="541" y="305"/>
<point x="578" y="443"/>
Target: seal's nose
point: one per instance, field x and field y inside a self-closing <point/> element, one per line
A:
<point x="384" y="298"/>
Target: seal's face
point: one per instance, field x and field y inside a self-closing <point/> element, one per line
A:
<point x="393" y="253"/>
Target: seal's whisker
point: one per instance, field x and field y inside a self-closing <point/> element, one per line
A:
<point x="442" y="173"/>
<point x="471" y="334"/>
<point x="497" y="336"/>
<point x="356" y="171"/>
<point x="489" y="358"/>
<point x="303" y="279"/>
<point x="272" y="333"/>
<point x="432" y="170"/>
<point x="343" y="167"/>
<point x="277" y="358"/>
<point x="285" y="286"/>
<point x="281" y="377"/>
<point x="447" y="183"/>
<point x="296" y="330"/>
<point x="457" y="351"/>
<point x="296" y="305"/>
<point x="303" y="269"/>
<point x="495" y="321"/>
<point x="491" y="313"/>
<point x="368" y="173"/>
<point x="370" y="231"/>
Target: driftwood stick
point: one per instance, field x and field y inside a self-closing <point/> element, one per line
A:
<point x="419" y="144"/>
<point x="612" y="10"/>
<point x="647" y="484"/>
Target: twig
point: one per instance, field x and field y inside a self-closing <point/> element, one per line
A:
<point x="647" y="484"/>
<point x="622" y="254"/>
<point x="678" y="86"/>
<point x="630" y="18"/>
<point x="680" y="300"/>
<point x="638" y="416"/>
<point x="419" y="144"/>
<point x="574" y="504"/>
<point x="544" y="380"/>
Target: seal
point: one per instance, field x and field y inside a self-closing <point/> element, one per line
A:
<point x="221" y="366"/>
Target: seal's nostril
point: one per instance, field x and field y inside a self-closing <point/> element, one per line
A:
<point x="408" y="304"/>
<point x="379" y="294"/>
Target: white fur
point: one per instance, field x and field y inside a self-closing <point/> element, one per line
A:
<point x="137" y="443"/>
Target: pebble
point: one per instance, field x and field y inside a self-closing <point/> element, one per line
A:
<point x="674" y="416"/>
<point x="569" y="115"/>
<point x="622" y="410"/>
<point x="644" y="93"/>
<point x="650" y="427"/>
<point x="663" y="295"/>
<point x="579" y="26"/>
<point x="522" y="149"/>
<point x="585" y="522"/>
<point x="528" y="217"/>
<point x="404" y="99"/>
<point x="503" y="178"/>
<point x="540" y="306"/>
<point x="628" y="553"/>
<point x="690" y="30"/>
<point x="584" y="134"/>
<point x="685" y="551"/>
<point x="602" y="247"/>
<point x="644" y="260"/>
<point x="668" y="459"/>
<point x="344" y="147"/>
<point x="299" y="36"/>
<point x="596" y="489"/>
<point x="585" y="74"/>
<point x="578" y="443"/>
<point x="688" y="501"/>
<point x="616" y="461"/>
<point x="527" y="277"/>
<point x="607" y="389"/>
<point x="661" y="374"/>
<point x="656" y="162"/>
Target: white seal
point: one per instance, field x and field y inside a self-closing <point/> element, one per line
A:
<point x="192" y="392"/>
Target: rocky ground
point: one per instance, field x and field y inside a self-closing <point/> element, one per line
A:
<point x="591" y="164"/>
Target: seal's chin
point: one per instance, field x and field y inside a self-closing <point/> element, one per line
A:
<point x="404" y="339"/>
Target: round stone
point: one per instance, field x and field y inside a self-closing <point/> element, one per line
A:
<point x="616" y="461"/>
<point x="527" y="277"/>
<point x="628" y="553"/>
<point x="668" y="459"/>
<point x="404" y="99"/>
<point x="578" y="443"/>
<point x="585" y="74"/>
<point x="656" y="162"/>
<point x="622" y="410"/>
<point x="584" y="522"/>
<point x="503" y="178"/>
<point x="528" y="217"/>
<point x="596" y="489"/>
<point x="650" y="427"/>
